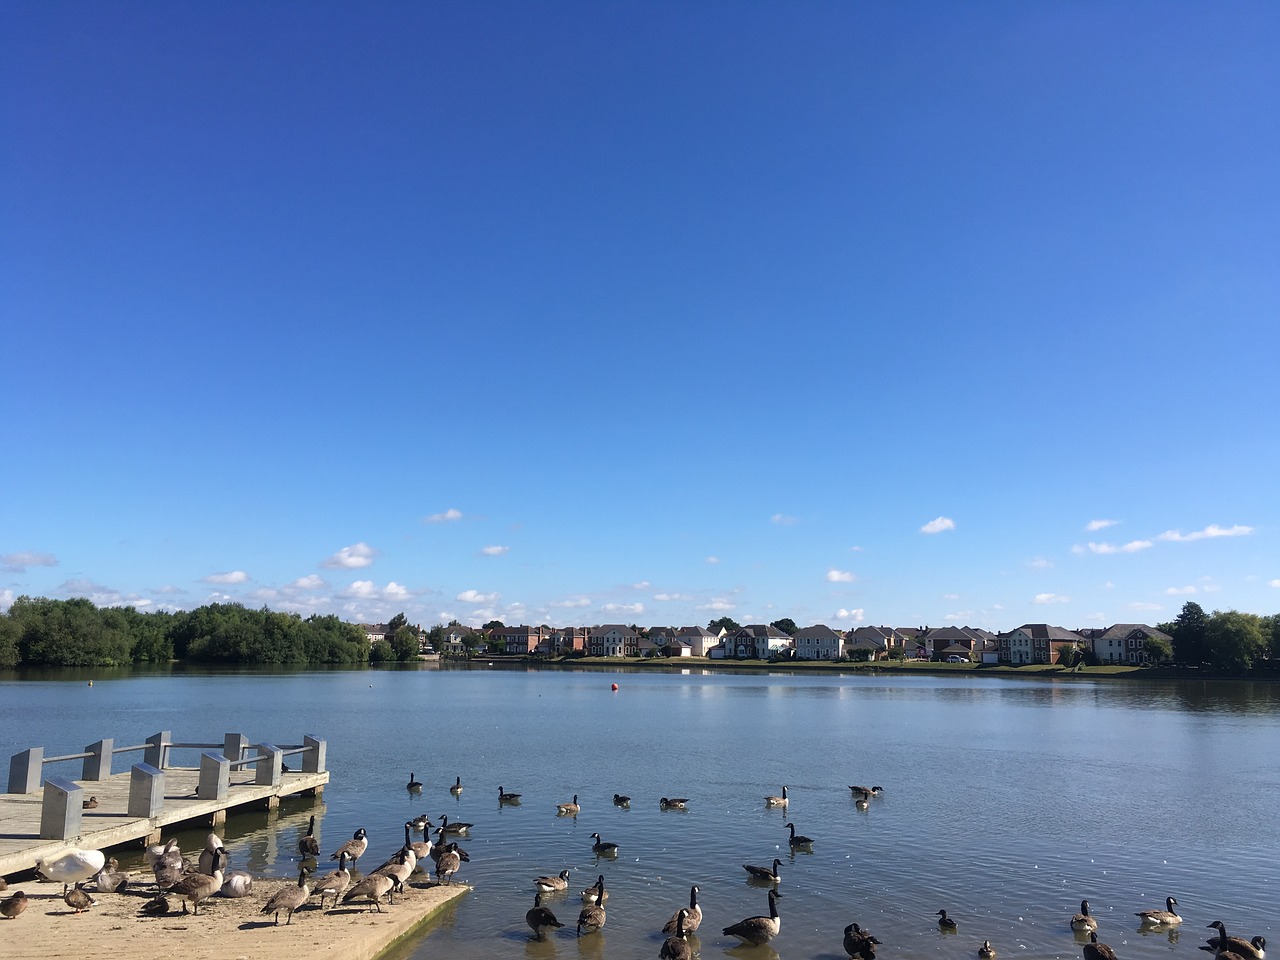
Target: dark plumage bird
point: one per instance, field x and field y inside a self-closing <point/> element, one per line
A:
<point x="353" y="848"/>
<point x="755" y="931"/>
<point x="414" y="785"/>
<point x="540" y="919"/>
<point x="1084" y="921"/>
<point x="767" y="874"/>
<point x="596" y="893"/>
<point x="195" y="887"/>
<point x="334" y="883"/>
<point x="505" y="797"/>
<point x="865" y="793"/>
<point x="1093" y="950"/>
<point x="90" y="804"/>
<point x="289" y="899"/>
<point x="158" y="906"/>
<point x="859" y="943"/>
<point x="692" y="916"/>
<point x="673" y="803"/>
<point x="621" y="801"/>
<point x="1254" y="949"/>
<point x="676" y="947"/>
<point x="457" y="786"/>
<point x="798" y="840"/>
<point x="372" y="888"/>
<point x="309" y="846"/>
<point x="945" y="922"/>
<point x="77" y="899"/>
<point x="454" y="827"/>
<point x="592" y="917"/>
<point x="448" y="863"/>
<point x="10" y="907"/>
<point x="602" y="848"/>
<point x="986" y="951"/>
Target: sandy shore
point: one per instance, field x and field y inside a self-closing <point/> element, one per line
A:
<point x="226" y="929"/>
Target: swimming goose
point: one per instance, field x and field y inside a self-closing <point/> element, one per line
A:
<point x="90" y="804"/>
<point x="289" y="899"/>
<point x="865" y="793"/>
<point x="596" y="893"/>
<point x="673" y="803"/>
<point x="986" y="951"/>
<point x="591" y="918"/>
<point x="767" y="874"/>
<point x="110" y="879"/>
<point x="211" y="843"/>
<point x="455" y="827"/>
<point x="448" y="864"/>
<point x="1093" y="950"/>
<point x="420" y="822"/>
<point x="859" y="943"/>
<point x="540" y="919"/>
<point x="504" y="797"/>
<point x="353" y="848"/>
<point x="373" y="888"/>
<point x="602" y="848"/>
<point x="777" y="801"/>
<point x="553" y="884"/>
<point x="798" y="840"/>
<point x="236" y="884"/>
<point x="77" y="899"/>
<point x="1254" y="949"/>
<point x="457" y="786"/>
<point x="621" y="801"/>
<point x="335" y="883"/>
<point x="10" y="907"/>
<point x="692" y="915"/>
<point x="74" y="866"/>
<point x="413" y="786"/>
<point x="676" y="947"/>
<point x="195" y="887"/>
<point x="1161" y="918"/>
<point x="570" y="809"/>
<point x="945" y="922"/>
<point x="755" y="931"/>
<point x="309" y="846"/>
<point x="1084" y="922"/>
<point x="863" y="804"/>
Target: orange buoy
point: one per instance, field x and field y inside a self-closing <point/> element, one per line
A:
<point x="614" y="688"/>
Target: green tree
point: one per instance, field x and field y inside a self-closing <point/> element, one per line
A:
<point x="1234" y="640"/>
<point x="1188" y="632"/>
<point x="786" y="625"/>
<point x="381" y="652"/>
<point x="728" y="623"/>
<point x="404" y="643"/>
<point x="494" y="625"/>
<point x="9" y="633"/>
<point x="1158" y="648"/>
<point x="1271" y="629"/>
<point x="471" y="643"/>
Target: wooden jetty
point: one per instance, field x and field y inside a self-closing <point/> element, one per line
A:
<point x="44" y="816"/>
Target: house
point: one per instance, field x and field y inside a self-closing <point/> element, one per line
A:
<point x="521" y="640"/>
<point x="1124" y="643"/>
<point x="880" y="642"/>
<point x="818" y="642"/>
<point x="657" y="642"/>
<point x="565" y="640"/>
<point x="699" y="639"/>
<point x="373" y="632"/>
<point x="968" y="642"/>
<point x="613" y="640"/>
<point x="756" y="641"/>
<point x="1036" y="643"/>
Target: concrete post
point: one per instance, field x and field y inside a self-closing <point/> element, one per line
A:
<point x="98" y="765"/>
<point x="314" y="759"/>
<point x="267" y="770"/>
<point x="234" y="746"/>
<point x="146" y="790"/>
<point x="61" y="811"/>
<point x="25" y="770"/>
<point x="156" y="754"/>
<point x="215" y="777"/>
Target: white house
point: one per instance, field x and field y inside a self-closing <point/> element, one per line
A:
<point x="699" y="639"/>
<point x="818" y="642"/>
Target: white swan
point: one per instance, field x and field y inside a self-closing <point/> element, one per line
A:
<point x="236" y="884"/>
<point x="74" y="866"/>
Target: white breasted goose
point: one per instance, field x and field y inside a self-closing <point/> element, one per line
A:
<point x="1084" y="921"/>
<point x="755" y="931"/>
<point x="986" y="951"/>
<point x="457" y="786"/>
<point x="211" y="843"/>
<point x="591" y="918"/>
<point x="945" y="923"/>
<point x="505" y="797"/>
<point x="596" y="893"/>
<point x="1093" y="950"/>
<point x="859" y="943"/>
<point x="414" y="785"/>
<point x="673" y="803"/>
<point x="619" y="800"/>
<point x="676" y="947"/>
<point x="692" y="915"/>
<point x="764" y="874"/>
<point x="421" y="848"/>
<point x="798" y="840"/>
<point x="570" y="809"/>
<point x="448" y="864"/>
<point x="553" y="884"/>
<point x="452" y="827"/>
<point x="77" y="899"/>
<point x="353" y="848"/>
<point x="777" y="801"/>
<point x="399" y="868"/>
<point x="1167" y="917"/>
<point x="602" y="848"/>
<point x="289" y="898"/>
<point x="1254" y="949"/>
<point x="540" y="919"/>
<point x="195" y="887"/>
<point x="309" y="846"/>
<point x="333" y="884"/>
<point x="372" y="888"/>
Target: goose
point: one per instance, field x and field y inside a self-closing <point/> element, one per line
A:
<point x="195" y="887"/>
<point x="570" y="809"/>
<point x="421" y="848"/>
<point x="413" y="786"/>
<point x="692" y="917"/>
<point x="673" y="803"/>
<point x="859" y="943"/>
<point x="157" y="906"/>
<point x="212" y="842"/>
<point x="110" y="879"/>
<point x="399" y="868"/>
<point x="777" y="801"/>
<point x="592" y="916"/>
<point x="74" y="866"/>
<point x="1084" y="922"/>
<point x="768" y="874"/>
<point x="353" y="848"/>
<point x="154" y="852"/>
<point x="169" y="869"/>
<point x="676" y="947"/>
<point x="553" y="884"/>
<point x="540" y="919"/>
<point x="621" y="801"/>
<point x="373" y="888"/>
<point x="420" y="822"/>
<point x="90" y="804"/>
<point x="10" y="907"/>
<point x="441" y="846"/>
<point x="1093" y="950"/>
<point x="945" y="922"/>
<point x="986" y="951"/>
<point x="866" y="793"/>
<point x="1254" y="949"/>
<point x="236" y="884"/>
<point x="309" y="846"/>
<point x="596" y="893"/>
<point x="798" y="840"/>
<point x="448" y="864"/>
<point x="1161" y="918"/>
<point x="863" y="804"/>
<point x="454" y="827"/>
<point x="335" y="883"/>
<point x="504" y="797"/>
<point x="457" y="786"/>
<point x="289" y="898"/>
<point x="77" y="899"/>
<point x="602" y="848"/>
<point x="755" y="931"/>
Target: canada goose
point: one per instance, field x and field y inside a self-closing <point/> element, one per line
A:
<point x="236" y="884"/>
<point x="591" y="917"/>
<point x="353" y="848"/>
<point x="673" y="803"/>
<point x="862" y="803"/>
<point x="692" y="915"/>
<point x="90" y="804"/>
<point x="373" y="888"/>
<point x="570" y="809"/>
<point x="457" y="786"/>
<point x="448" y="864"/>
<point x="309" y="846"/>
<point x="676" y="947"/>
<point x="798" y="840"/>
<point x="169" y="869"/>
<point x="540" y="919"/>
<point x="335" y="883"/>
<point x="986" y="951"/>
<point x="859" y="943"/>
<point x="1093" y="950"/>
<point x="455" y="827"/>
<point x="602" y="848"/>
<point x="77" y="899"/>
<point x="195" y="887"/>
<point x="621" y="801"/>
<point x="421" y="848"/>
<point x="413" y="786"/>
<point x="596" y="893"/>
<point x="768" y="874"/>
<point x="504" y="797"/>
<point x="866" y="793"/>
<point x="553" y="884"/>
<point x="755" y="931"/>
<point x="441" y="846"/>
<point x="1084" y="922"/>
<point x="1254" y="949"/>
<point x="211" y="843"/>
<point x="1161" y="918"/>
<point x="110" y="879"/>
<point x="777" y="801"/>
<point x="420" y="822"/>
<point x="10" y="907"/>
<point x="74" y="866"/>
<point x="945" y="922"/>
<point x="399" y="868"/>
<point x="289" y="899"/>
<point x="157" y="906"/>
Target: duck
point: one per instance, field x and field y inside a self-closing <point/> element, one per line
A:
<point x="596" y="893"/>
<point x="90" y="804"/>
<point x="373" y="888"/>
<point x="676" y="947"/>
<point x="859" y="943"/>
<point x="767" y="874"/>
<point x="504" y="797"/>
<point x="692" y="916"/>
<point x="798" y="840"/>
<point x="1160" y="918"/>
<point x="10" y="907"/>
<point x="413" y="786"/>
<point x="454" y="827"/>
<point x="755" y="931"/>
<point x="309" y="846"/>
<point x="211" y="843"/>
<point x="540" y="919"/>
<point x="1084" y="922"/>
<point x="1093" y="950"/>
<point x="603" y="848"/>
<point x="77" y="899"/>
<point x="236" y="884"/>
<point x="1254" y="949"/>
<point x="777" y="801"/>
<point x="986" y="951"/>
<point x="74" y="866"/>
<point x="289" y="898"/>
<point x="673" y="803"/>
<point x="591" y="917"/>
<point x="353" y="848"/>
<point x="157" y="906"/>
<point x="457" y="786"/>
<point x="553" y="884"/>
<point x="448" y="864"/>
<point x="335" y="882"/>
<point x="195" y="887"/>
<point x="945" y="922"/>
<point x="570" y="809"/>
<point x="110" y="879"/>
<point x="620" y="800"/>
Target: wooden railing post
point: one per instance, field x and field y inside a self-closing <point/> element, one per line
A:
<point x="61" y="810"/>
<point x="97" y="766"/>
<point x="25" y="769"/>
<point x="146" y="790"/>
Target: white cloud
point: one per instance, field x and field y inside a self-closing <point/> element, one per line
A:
<point x="938" y="525"/>
<point x="951" y="596"/>
<point x="634" y="608"/>
<point x="394" y="591"/>
<point x="447" y="517"/>
<point x="782" y="519"/>
<point x="575" y="604"/>
<point x="1133" y="546"/>
<point x="713" y="559"/>
<point x="352" y="558"/>
<point x="1273" y="583"/>
<point x="1050" y="598"/>
<point x="959" y="615"/>
<point x="475" y="596"/>
<point x="840" y="576"/>
<point x="857" y="615"/>
<point x="101" y="596"/>
<point x="1145" y="606"/>
<point x="368" y="590"/>
<point x="642" y="585"/>
<point x="1181" y="591"/>
<point x="1040" y="563"/>
<point x="664" y="597"/>
<point x="716" y="606"/>
<point x="856" y="549"/>
<point x="312" y="582"/>
<point x="6" y="599"/>
<point x="18" y="562"/>
<point x="233" y="576"/>
<point x="495" y="551"/>
<point x="168" y="590"/>
<point x="1095" y="525"/>
<point x="1208" y="533"/>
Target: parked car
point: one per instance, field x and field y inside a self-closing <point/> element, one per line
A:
<point x="956" y="658"/>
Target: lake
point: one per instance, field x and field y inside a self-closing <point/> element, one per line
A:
<point x="1006" y="801"/>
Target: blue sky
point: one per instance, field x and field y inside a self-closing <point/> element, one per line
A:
<point x="914" y="313"/>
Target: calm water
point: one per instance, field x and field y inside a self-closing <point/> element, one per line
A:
<point x="1006" y="801"/>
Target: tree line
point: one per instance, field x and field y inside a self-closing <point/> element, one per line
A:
<point x="1224" y="639"/>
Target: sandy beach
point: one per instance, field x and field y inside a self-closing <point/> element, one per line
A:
<point x="226" y="929"/>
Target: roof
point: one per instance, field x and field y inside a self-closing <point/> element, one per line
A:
<point x="819" y="631"/>
<point x="695" y="632"/>
<point x="1122" y="631"/>
<point x="1043" y="631"/>
<point x="621" y="628"/>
